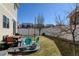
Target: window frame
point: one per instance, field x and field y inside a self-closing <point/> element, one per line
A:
<point x="5" y="22"/>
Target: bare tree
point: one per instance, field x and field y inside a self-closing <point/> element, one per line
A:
<point x="35" y="28"/>
<point x="71" y="27"/>
<point x="40" y="23"/>
<point x="60" y="26"/>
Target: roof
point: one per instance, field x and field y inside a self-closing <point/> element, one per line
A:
<point x="73" y="12"/>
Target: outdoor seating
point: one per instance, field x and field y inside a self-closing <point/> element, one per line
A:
<point x="27" y="41"/>
<point x="18" y="35"/>
<point x="11" y="42"/>
<point x="37" y="40"/>
<point x="29" y="45"/>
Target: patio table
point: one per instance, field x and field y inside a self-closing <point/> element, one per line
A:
<point x="20" y="40"/>
<point x="16" y="37"/>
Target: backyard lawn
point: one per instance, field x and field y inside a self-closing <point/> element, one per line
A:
<point x="47" y="48"/>
<point x="65" y="46"/>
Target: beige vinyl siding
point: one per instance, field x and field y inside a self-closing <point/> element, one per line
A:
<point x="8" y="11"/>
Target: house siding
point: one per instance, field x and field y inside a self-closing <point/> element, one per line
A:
<point x="8" y="11"/>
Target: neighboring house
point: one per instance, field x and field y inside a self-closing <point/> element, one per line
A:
<point x="8" y="19"/>
<point x="33" y="29"/>
<point x="74" y="15"/>
<point x="25" y="25"/>
<point x="48" y="25"/>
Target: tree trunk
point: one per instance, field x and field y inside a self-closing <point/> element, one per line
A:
<point x="39" y="31"/>
<point x="74" y="50"/>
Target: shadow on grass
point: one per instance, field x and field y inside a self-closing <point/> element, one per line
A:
<point x="65" y="46"/>
<point x="21" y="53"/>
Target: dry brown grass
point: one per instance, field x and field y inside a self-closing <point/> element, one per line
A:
<point x="47" y="48"/>
<point x="65" y="46"/>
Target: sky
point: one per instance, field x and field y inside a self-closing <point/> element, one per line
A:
<point x="28" y="11"/>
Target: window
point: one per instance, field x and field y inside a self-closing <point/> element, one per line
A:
<point x="5" y="22"/>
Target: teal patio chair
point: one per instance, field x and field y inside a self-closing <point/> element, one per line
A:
<point x="27" y="41"/>
<point x="37" y="40"/>
<point x="29" y="45"/>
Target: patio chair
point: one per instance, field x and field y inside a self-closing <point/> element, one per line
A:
<point x="11" y="42"/>
<point x="28" y="45"/>
<point x="37" y="40"/>
<point x="35" y="45"/>
<point x="27" y="42"/>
